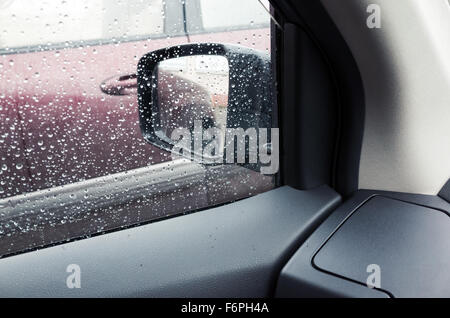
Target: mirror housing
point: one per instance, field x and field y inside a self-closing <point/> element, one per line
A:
<point x="250" y="91"/>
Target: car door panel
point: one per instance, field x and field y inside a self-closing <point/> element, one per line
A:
<point x="235" y="250"/>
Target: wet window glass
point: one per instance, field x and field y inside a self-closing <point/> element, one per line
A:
<point x="73" y="161"/>
<point x="49" y="22"/>
<point x="248" y="14"/>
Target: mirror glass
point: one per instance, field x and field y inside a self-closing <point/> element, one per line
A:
<point x="189" y="92"/>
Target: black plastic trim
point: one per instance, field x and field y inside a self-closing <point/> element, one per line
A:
<point x="313" y="20"/>
<point x="445" y="191"/>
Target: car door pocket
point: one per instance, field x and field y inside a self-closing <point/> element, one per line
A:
<point x="398" y="247"/>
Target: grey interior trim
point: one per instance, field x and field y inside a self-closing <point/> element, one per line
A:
<point x="406" y="75"/>
<point x="236" y="250"/>
<point x="407" y="242"/>
<point x="302" y="278"/>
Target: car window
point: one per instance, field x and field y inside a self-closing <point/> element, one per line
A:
<point x="73" y="161"/>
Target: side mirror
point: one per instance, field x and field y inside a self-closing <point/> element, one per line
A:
<point x="208" y="102"/>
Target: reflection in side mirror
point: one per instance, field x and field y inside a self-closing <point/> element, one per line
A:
<point x="211" y="103"/>
<point x="192" y="90"/>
